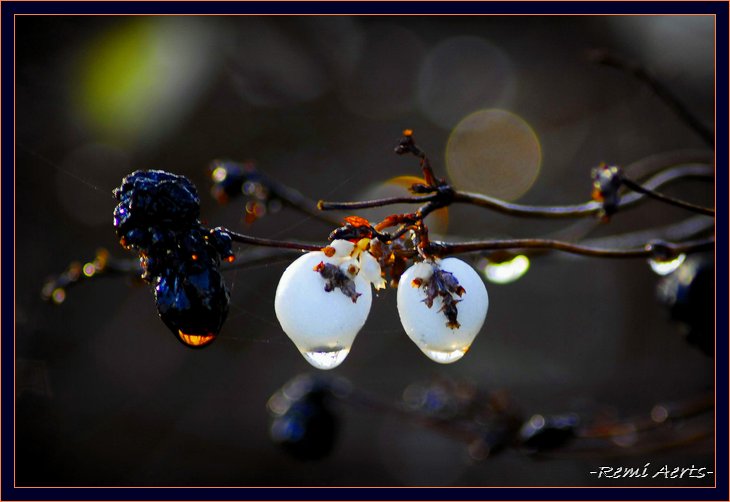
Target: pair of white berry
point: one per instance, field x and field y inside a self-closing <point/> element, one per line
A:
<point x="323" y="324"/>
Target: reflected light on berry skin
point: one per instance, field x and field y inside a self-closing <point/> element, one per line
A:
<point x="195" y="341"/>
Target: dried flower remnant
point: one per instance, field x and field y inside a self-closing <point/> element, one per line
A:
<point x="320" y="321"/>
<point x="335" y="278"/>
<point x="427" y="293"/>
<point x="607" y="181"/>
<point x="442" y="284"/>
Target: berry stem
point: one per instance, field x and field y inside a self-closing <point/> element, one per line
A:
<point x="259" y="241"/>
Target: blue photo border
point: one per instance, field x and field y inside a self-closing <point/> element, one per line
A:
<point x="8" y="9"/>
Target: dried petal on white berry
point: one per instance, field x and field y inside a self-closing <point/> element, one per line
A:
<point x="370" y="270"/>
<point x="342" y="247"/>
<point x="350" y="266"/>
<point x="428" y="327"/>
<point x="322" y="324"/>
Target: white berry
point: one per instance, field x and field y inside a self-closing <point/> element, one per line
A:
<point x="370" y="270"/>
<point x="428" y="327"/>
<point x="342" y="247"/>
<point x="322" y="324"/>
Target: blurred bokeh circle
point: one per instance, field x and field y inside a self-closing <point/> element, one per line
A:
<point x="493" y="152"/>
<point x="463" y="74"/>
<point x="384" y="83"/>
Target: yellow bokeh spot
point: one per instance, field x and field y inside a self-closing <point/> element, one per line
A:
<point x="493" y="152"/>
<point x="89" y="269"/>
<point x="58" y="296"/>
<point x="219" y="174"/>
<point x="117" y="75"/>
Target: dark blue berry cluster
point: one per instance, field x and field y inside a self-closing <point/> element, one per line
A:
<point x="157" y="216"/>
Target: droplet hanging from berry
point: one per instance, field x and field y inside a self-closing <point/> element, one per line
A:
<point x="689" y="293"/>
<point x="666" y="266"/>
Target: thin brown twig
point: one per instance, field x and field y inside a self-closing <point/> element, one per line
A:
<point x="666" y="198"/>
<point x="647" y="251"/>
<point x="523" y="210"/>
<point x="670" y="99"/>
<point x="259" y="241"/>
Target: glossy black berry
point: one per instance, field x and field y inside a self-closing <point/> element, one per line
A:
<point x="157" y="215"/>
<point x="150" y="199"/>
<point x="193" y="304"/>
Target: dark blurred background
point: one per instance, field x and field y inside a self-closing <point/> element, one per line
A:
<point x="106" y="396"/>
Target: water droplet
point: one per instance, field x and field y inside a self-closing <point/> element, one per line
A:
<point x="666" y="267"/>
<point x="196" y="340"/>
<point x="508" y="271"/>
<point x="444" y="356"/>
<point x="325" y="358"/>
